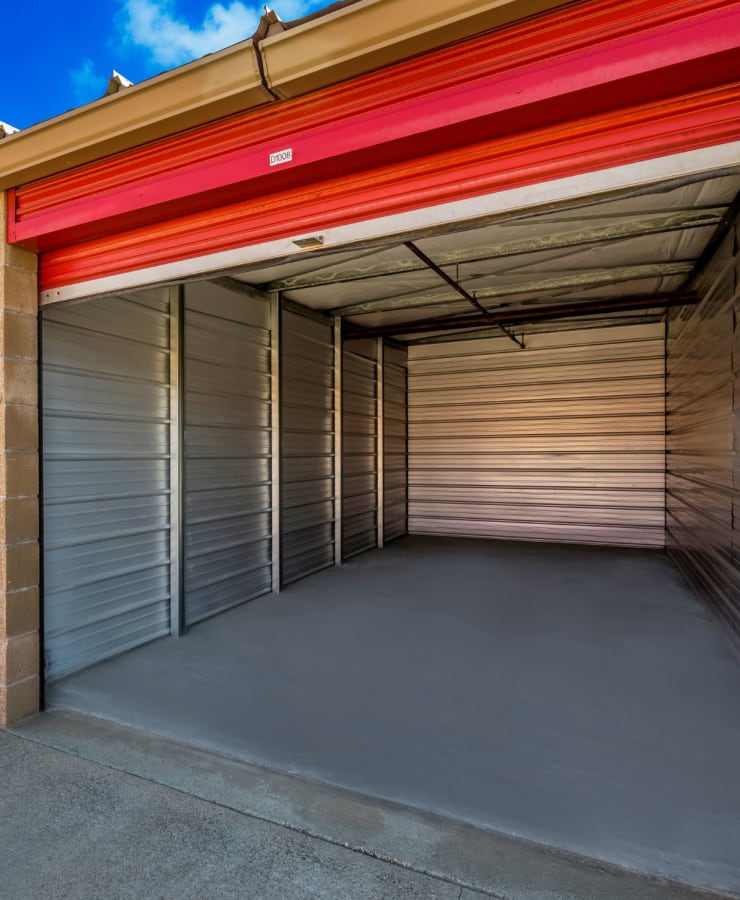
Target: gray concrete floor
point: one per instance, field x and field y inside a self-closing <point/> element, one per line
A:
<point x="74" y="830"/>
<point x="576" y="697"/>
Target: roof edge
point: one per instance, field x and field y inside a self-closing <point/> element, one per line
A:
<point x="348" y="39"/>
<point x="190" y="95"/>
<point x="358" y="37"/>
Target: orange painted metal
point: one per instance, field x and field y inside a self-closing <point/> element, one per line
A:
<point x="595" y="143"/>
<point x="593" y="85"/>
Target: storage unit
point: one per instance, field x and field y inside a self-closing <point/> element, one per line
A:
<point x="287" y="440"/>
<point x="479" y="290"/>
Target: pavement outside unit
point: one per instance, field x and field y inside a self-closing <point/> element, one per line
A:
<point x="92" y="809"/>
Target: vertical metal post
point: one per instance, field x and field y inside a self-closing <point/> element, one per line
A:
<point x="406" y="443"/>
<point x="177" y="480"/>
<point x="338" y="487"/>
<point x="380" y="458"/>
<point x="276" y="448"/>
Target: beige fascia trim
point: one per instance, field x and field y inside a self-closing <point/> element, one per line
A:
<point x="321" y="51"/>
<point x="211" y="87"/>
<point x="373" y="33"/>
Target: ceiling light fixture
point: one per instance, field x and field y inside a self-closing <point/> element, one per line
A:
<point x="315" y="242"/>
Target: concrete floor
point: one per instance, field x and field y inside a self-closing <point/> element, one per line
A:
<point x="577" y="697"/>
<point x="75" y="830"/>
<point x="115" y="812"/>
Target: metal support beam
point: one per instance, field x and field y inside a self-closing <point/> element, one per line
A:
<point x="338" y="449"/>
<point x="527" y="314"/>
<point x="177" y="479"/>
<point x="556" y="284"/>
<point x="380" y="455"/>
<point x="275" y="437"/>
<point x="239" y="287"/>
<point x="713" y="244"/>
<point x="458" y="287"/>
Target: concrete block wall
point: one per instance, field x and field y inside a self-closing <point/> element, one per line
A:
<point x="19" y="482"/>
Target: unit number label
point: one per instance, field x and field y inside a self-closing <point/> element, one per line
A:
<point x="282" y="156"/>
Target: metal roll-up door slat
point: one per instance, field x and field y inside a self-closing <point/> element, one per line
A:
<point x="106" y="469"/>
<point x="307" y="438"/>
<point x="227" y="450"/>
<point x="395" y="437"/>
<point x="360" y="368"/>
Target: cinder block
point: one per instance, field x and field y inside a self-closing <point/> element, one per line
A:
<point x="19" y="612"/>
<point x="16" y="257"/>
<point x="19" y="474"/>
<point x="19" y="382"/>
<point x="19" y="520"/>
<point x="19" y="289"/>
<point x="19" y="566"/>
<point x="19" y="335"/>
<point x="19" y="658"/>
<point x="19" y="427"/>
<point x="19" y="701"/>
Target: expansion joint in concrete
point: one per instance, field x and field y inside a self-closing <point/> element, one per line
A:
<point x="312" y="833"/>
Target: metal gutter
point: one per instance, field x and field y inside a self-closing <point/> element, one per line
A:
<point x="209" y="88"/>
<point x="359" y="37"/>
<point x="346" y="41"/>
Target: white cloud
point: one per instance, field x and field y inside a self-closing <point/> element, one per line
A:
<point x="87" y="84"/>
<point x="294" y="9"/>
<point x="155" y="26"/>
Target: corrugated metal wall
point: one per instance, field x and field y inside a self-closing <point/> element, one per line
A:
<point x="702" y="481"/>
<point x="563" y="441"/>
<point x="395" y="428"/>
<point x="227" y="450"/>
<point x="359" y="446"/>
<point x="307" y="418"/>
<point x="106" y="501"/>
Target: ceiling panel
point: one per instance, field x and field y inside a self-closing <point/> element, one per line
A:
<point x="645" y="243"/>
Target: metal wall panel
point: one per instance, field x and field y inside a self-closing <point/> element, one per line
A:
<point x="106" y="478"/>
<point x="307" y="417"/>
<point x="227" y="450"/>
<point x="359" y="446"/>
<point x="562" y="441"/>
<point x="702" y="478"/>
<point x="395" y="433"/>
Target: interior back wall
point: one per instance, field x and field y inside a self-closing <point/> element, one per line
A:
<point x="561" y="441"/>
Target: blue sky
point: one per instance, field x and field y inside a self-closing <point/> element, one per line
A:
<point x="58" y="55"/>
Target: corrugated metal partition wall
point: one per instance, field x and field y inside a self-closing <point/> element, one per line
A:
<point x="227" y="450"/>
<point x="307" y="437"/>
<point x="702" y="488"/>
<point x="359" y="446"/>
<point x="562" y="441"/>
<point x="106" y="478"/>
<point x="395" y="428"/>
